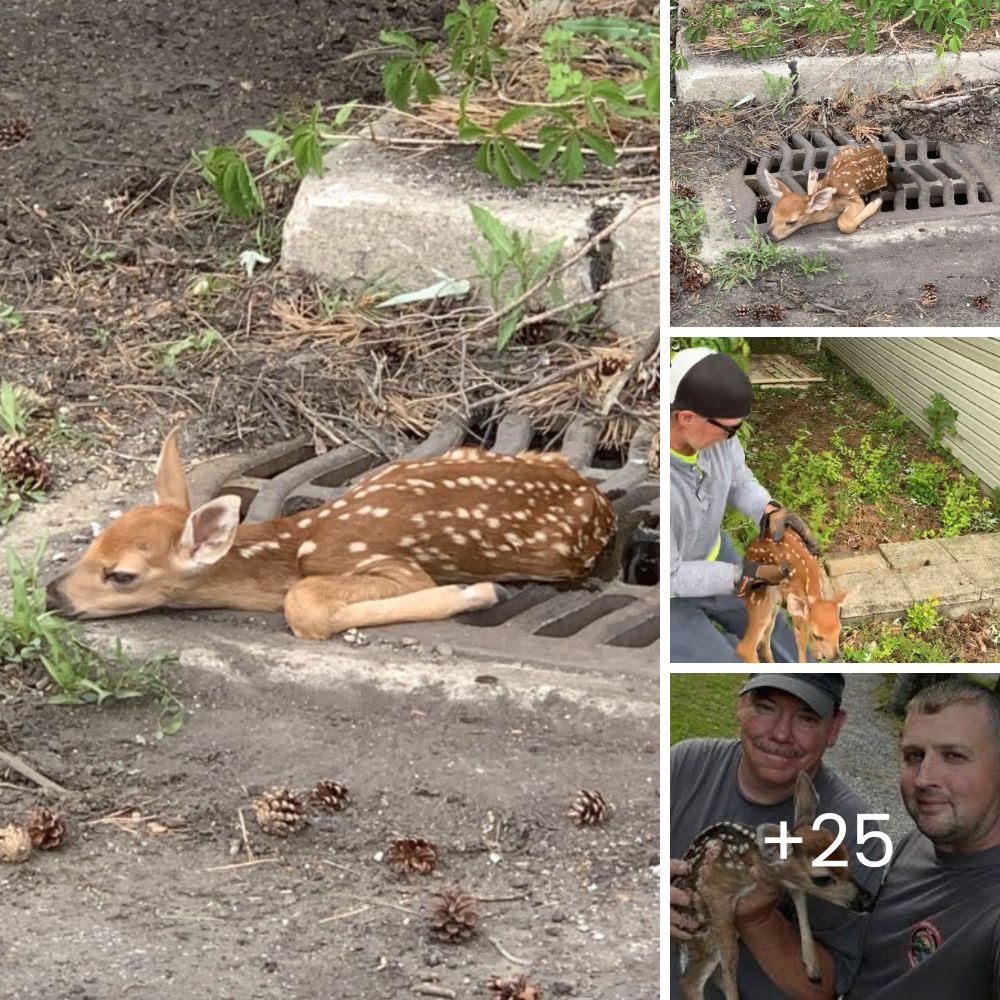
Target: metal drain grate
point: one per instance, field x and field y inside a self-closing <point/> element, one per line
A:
<point x="927" y="180"/>
<point x="611" y="624"/>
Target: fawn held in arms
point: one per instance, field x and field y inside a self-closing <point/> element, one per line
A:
<point x="855" y="170"/>
<point x="729" y="861"/>
<point x="415" y="541"/>
<point x="815" y="617"/>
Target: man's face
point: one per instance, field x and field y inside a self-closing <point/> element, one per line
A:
<point x="700" y="432"/>
<point x="950" y="777"/>
<point x="781" y="735"/>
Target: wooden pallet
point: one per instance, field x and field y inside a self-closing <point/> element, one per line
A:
<point x="780" y="369"/>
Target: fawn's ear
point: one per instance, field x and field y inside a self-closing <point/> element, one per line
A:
<point x="769" y="852"/>
<point x="841" y="596"/>
<point x="812" y="181"/>
<point x="210" y="530"/>
<point x="797" y="606"/>
<point x="806" y="799"/>
<point x="775" y="187"/>
<point x="171" y="485"/>
<point x="820" y="200"/>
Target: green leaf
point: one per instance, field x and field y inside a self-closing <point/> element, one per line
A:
<point x="425" y="83"/>
<point x="239" y="190"/>
<point x="503" y="170"/>
<point x="307" y="152"/>
<point x="340" y="119"/>
<point x="605" y="150"/>
<point x="609" y="28"/>
<point x="522" y="164"/>
<point x="400" y="38"/>
<point x="397" y="81"/>
<point x="507" y="327"/>
<point x="571" y="160"/>
<point x="519" y="114"/>
<point x="497" y="234"/>
<point x="263" y="137"/>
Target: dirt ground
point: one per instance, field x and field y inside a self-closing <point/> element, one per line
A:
<point x="144" y="900"/>
<point x="860" y="289"/>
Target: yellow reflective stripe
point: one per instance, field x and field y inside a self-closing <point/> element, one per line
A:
<point x="711" y="557"/>
<point x="690" y="459"/>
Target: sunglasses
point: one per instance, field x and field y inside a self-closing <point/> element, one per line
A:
<point x="730" y="431"/>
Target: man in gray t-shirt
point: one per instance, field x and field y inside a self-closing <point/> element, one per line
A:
<point x="786" y="723"/>
<point x="935" y="931"/>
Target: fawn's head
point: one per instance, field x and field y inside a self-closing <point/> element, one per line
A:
<point x="799" y="870"/>
<point x="151" y="555"/>
<point x="792" y="210"/>
<point x="822" y="616"/>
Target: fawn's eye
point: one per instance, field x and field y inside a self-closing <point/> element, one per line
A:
<point x="823" y="880"/>
<point x="123" y="579"/>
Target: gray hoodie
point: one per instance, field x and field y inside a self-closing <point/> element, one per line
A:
<point x="701" y="486"/>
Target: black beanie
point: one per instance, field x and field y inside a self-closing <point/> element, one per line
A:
<point x="714" y="386"/>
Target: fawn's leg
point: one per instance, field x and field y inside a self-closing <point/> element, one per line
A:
<point x="809" y="958"/>
<point x="801" y="627"/>
<point x="856" y="213"/>
<point x="758" y="609"/>
<point x="774" y="606"/>
<point x="703" y="959"/>
<point x="727" y="942"/>
<point x="317" y="607"/>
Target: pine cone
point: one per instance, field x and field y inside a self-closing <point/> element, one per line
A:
<point x="691" y="283"/>
<point x="982" y="302"/>
<point x="929" y="295"/>
<point x="763" y="204"/>
<point x="773" y="312"/>
<point x="46" y="828"/>
<point x="412" y="854"/>
<point x="517" y="988"/>
<point x="590" y="808"/>
<point x="280" y="812"/>
<point x="13" y="131"/>
<point x="744" y="310"/>
<point x="15" y="844"/>
<point x="453" y="917"/>
<point x="330" y="795"/>
<point x="20" y="465"/>
<point x="677" y="257"/>
<point x="682" y="190"/>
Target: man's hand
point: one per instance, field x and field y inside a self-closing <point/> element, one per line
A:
<point x="775" y="520"/>
<point x="681" y="926"/>
<point x="757" y="574"/>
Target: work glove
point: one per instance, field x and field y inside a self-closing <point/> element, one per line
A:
<point x="774" y="522"/>
<point x="757" y="574"/>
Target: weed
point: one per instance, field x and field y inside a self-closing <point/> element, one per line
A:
<point x="511" y="268"/>
<point x="409" y="72"/>
<point x="922" y="616"/>
<point x="941" y="415"/>
<point x="804" y="482"/>
<point x="687" y="220"/>
<point x="780" y="89"/>
<point x="172" y="351"/>
<point x="15" y="409"/>
<point x="875" y="468"/>
<point x="924" y="481"/>
<point x="10" y="317"/>
<point x="747" y="263"/>
<point x="469" y="31"/>
<point x="890" y="646"/>
<point x="29" y="634"/>
<point x="890" y="420"/>
<point x="964" y="508"/>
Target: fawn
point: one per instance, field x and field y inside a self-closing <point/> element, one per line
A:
<point x="855" y="171"/>
<point x="730" y="860"/>
<point x="414" y="541"/>
<point x="815" y="618"/>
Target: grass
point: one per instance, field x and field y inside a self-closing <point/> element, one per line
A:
<point x="687" y="220"/>
<point x="747" y="263"/>
<point x="703" y="705"/>
<point x="31" y="636"/>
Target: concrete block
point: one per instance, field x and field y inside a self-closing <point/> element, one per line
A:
<point x="980" y="548"/>
<point x="910" y="555"/>
<point x="635" y="310"/>
<point x="380" y="215"/>
<point x="870" y="562"/>
<point x="949" y="584"/>
<point x="986" y="575"/>
<point x="873" y="595"/>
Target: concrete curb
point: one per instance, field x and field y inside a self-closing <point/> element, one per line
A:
<point x="963" y="573"/>
<point x="727" y="77"/>
<point x="379" y="214"/>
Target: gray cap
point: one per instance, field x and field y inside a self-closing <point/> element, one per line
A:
<point x="821" y="692"/>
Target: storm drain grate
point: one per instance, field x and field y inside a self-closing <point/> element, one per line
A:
<point x="927" y="180"/>
<point x="609" y="624"/>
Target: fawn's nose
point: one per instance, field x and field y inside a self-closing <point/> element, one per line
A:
<point x="864" y="901"/>
<point x="55" y="600"/>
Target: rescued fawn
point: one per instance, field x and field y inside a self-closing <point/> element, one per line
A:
<point x="730" y="860"/>
<point x="854" y="171"/>
<point x="815" y="618"/>
<point x="415" y="541"/>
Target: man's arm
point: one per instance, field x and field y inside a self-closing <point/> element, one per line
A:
<point x="775" y="944"/>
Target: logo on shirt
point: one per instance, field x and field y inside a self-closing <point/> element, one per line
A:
<point x="925" y="939"/>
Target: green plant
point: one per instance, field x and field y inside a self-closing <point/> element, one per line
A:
<point x="31" y="634"/>
<point x="894" y="646"/>
<point x="511" y="268"/>
<point x="560" y="47"/>
<point x="499" y="154"/>
<point x="890" y="420"/>
<point x="169" y="353"/>
<point x="780" y="89"/>
<point x="14" y="409"/>
<point x="875" y="468"/>
<point x="924" y="481"/>
<point x="10" y="317"/>
<point x="803" y="484"/>
<point x="922" y="616"/>
<point x="941" y="415"/>
<point x="409" y="72"/>
<point x="964" y="508"/>
<point x="687" y="220"/>
<point x="750" y="261"/>
<point x="469" y="31"/>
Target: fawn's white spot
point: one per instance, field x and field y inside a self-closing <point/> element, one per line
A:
<point x="380" y="511"/>
<point x="325" y="512"/>
<point x="307" y="548"/>
<point x="357" y="547"/>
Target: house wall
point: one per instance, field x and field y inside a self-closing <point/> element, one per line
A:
<point x="965" y="370"/>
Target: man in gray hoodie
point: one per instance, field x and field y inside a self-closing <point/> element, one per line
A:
<point x="710" y="396"/>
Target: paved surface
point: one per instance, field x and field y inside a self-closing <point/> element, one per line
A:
<point x="960" y="572"/>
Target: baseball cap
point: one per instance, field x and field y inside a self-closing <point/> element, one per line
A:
<point x="821" y="692"/>
<point x="709" y="383"/>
